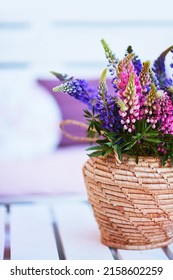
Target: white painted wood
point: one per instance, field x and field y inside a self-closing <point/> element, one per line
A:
<point x="170" y="248"/>
<point x="79" y="232"/>
<point x="154" y="254"/>
<point x="32" y="235"/>
<point x="2" y="231"/>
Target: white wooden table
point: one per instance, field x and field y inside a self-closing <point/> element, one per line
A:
<point x="58" y="228"/>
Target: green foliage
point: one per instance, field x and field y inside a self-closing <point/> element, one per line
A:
<point x="143" y="141"/>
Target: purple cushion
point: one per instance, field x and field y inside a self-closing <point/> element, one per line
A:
<point x="70" y="108"/>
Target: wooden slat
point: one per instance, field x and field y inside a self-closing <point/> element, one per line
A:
<point x="32" y="233"/>
<point x="2" y="231"/>
<point x="79" y="232"/>
<point x="154" y="254"/>
<point x="169" y="251"/>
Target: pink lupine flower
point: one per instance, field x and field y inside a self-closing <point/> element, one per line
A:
<point x="124" y="70"/>
<point x="130" y="112"/>
<point x="165" y="111"/>
<point x="129" y="92"/>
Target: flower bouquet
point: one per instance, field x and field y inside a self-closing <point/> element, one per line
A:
<point x="129" y="175"/>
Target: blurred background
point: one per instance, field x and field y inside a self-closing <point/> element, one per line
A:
<point x="38" y="36"/>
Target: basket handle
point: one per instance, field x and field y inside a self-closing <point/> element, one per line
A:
<point x="74" y="137"/>
<point x="117" y="160"/>
<point x="82" y="139"/>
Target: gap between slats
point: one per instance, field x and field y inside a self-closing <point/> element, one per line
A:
<point x="7" y="248"/>
<point x="2" y="231"/>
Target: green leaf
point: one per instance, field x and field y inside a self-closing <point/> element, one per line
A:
<point x="152" y="133"/>
<point x="102" y="141"/>
<point x="95" y="148"/>
<point x="108" y="151"/>
<point x="115" y="147"/>
<point x="158" y="141"/>
<point x="109" y="144"/>
<point x="95" y="154"/>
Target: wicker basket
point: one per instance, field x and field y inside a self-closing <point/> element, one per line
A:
<point x="132" y="203"/>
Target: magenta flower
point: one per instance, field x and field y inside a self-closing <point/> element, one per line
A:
<point x="165" y="111"/>
<point x="129" y="92"/>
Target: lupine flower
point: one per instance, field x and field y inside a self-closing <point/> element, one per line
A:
<point x="112" y="60"/>
<point x="160" y="71"/>
<point x="144" y="77"/>
<point x="131" y="100"/>
<point x="78" y="89"/>
<point x="137" y="64"/>
<point x="107" y="111"/>
<point x="106" y="106"/>
<point x="136" y="61"/>
<point x="154" y="79"/>
<point x="121" y="104"/>
<point x="124" y="70"/>
<point x="102" y="87"/>
<point x="165" y="111"/>
<point x="151" y="112"/>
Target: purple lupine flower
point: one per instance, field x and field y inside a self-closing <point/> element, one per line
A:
<point x="160" y="71"/>
<point x="137" y="64"/>
<point x="136" y="61"/>
<point x="154" y="80"/>
<point x="78" y="89"/>
<point x="107" y="111"/>
<point x="106" y="107"/>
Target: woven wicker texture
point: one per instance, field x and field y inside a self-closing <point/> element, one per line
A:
<point x="132" y="203"/>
